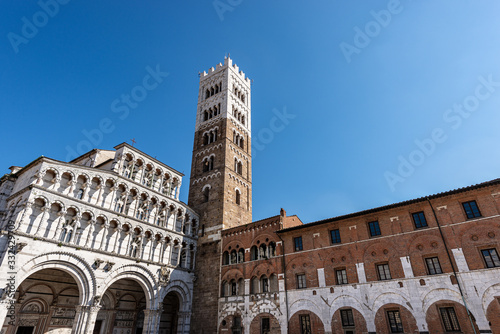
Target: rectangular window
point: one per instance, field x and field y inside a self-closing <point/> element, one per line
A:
<point x="347" y="318"/>
<point x="471" y="209"/>
<point x="433" y="266"/>
<point x="236" y="328"/>
<point x="341" y="275"/>
<point x="450" y="320"/>
<point x="301" y="281"/>
<point x="305" y="324"/>
<point x="383" y="271"/>
<point x="265" y="326"/>
<point x="335" y="236"/>
<point x="419" y="219"/>
<point x="298" y="243"/>
<point x="374" y="228"/>
<point x="491" y="258"/>
<point x="395" y="322"/>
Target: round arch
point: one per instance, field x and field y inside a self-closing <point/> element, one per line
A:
<point x="181" y="289"/>
<point x="138" y="274"/>
<point x="75" y="266"/>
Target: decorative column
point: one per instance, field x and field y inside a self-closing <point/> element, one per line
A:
<point x="154" y="213"/>
<point x="143" y="246"/>
<point x="27" y="209"/>
<point x="175" y="212"/>
<point x="76" y="227"/>
<point x="158" y="250"/>
<point x="138" y="176"/>
<point x="117" y="234"/>
<point x="55" y="182"/>
<point x="99" y="188"/>
<point x="126" y="241"/>
<point x="135" y="205"/>
<point x="89" y="233"/>
<point x="167" y="217"/>
<point x="71" y="185"/>
<point x="105" y="227"/>
<point x="178" y="191"/>
<point x="85" y="318"/>
<point x="57" y="232"/>
<point x="85" y="188"/>
<point x="44" y="213"/>
<point x="151" y="321"/>
<point x="112" y="194"/>
<point x="183" y="218"/>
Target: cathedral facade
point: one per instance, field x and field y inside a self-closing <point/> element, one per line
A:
<point x="102" y="244"/>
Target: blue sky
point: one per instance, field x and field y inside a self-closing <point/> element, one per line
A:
<point x="391" y="100"/>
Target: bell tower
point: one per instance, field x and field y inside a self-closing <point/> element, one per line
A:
<point x="220" y="188"/>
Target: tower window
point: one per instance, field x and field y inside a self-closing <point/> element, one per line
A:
<point x="206" y="194"/>
<point x="238" y="197"/>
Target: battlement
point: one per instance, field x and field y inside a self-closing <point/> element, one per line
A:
<point x="228" y="62"/>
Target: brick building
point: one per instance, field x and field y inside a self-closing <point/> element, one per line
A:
<point x="409" y="267"/>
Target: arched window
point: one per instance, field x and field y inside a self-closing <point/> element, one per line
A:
<point x="241" y="255"/>
<point x="239" y="168"/>
<point x="242" y="143"/>
<point x="207" y="94"/>
<point x="205" y="139"/>
<point x="223" y="289"/>
<point x="233" y="258"/>
<point x="238" y="197"/>
<point x="175" y="256"/>
<point x="225" y="258"/>
<point x="262" y="252"/>
<point x="234" y="289"/>
<point x="273" y="283"/>
<point x="254" y="285"/>
<point x="182" y="262"/>
<point x="272" y="249"/>
<point x="241" y="287"/>
<point x="206" y="194"/>
<point x="118" y="206"/>
<point x="264" y="284"/>
<point x="253" y="253"/>
<point x="206" y="165"/>
<point x="211" y="163"/>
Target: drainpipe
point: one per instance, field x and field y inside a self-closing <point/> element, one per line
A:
<point x="452" y="265"/>
<point x="284" y="276"/>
